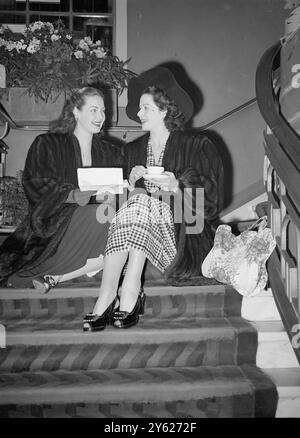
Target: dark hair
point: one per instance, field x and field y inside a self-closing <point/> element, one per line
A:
<point x="174" y="119"/>
<point x="66" y="121"/>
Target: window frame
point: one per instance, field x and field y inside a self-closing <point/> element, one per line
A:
<point x="70" y="14"/>
<point x="119" y="29"/>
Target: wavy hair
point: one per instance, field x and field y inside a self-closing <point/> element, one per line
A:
<point x="174" y="119"/>
<point x="66" y="121"/>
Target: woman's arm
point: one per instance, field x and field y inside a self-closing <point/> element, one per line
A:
<point x="44" y="185"/>
<point x="42" y="176"/>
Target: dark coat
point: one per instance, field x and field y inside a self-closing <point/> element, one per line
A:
<point x="50" y="174"/>
<point x="195" y="162"/>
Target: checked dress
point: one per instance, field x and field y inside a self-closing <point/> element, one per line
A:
<point x="145" y="223"/>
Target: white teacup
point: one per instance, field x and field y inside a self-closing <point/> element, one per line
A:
<point x="155" y="170"/>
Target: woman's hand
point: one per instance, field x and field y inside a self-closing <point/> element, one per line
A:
<point x="81" y="198"/>
<point x="169" y="184"/>
<point x="105" y="198"/>
<point x="136" y="173"/>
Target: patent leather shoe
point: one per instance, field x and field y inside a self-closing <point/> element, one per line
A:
<point x="142" y="299"/>
<point x="93" y="322"/>
<point x="124" y="319"/>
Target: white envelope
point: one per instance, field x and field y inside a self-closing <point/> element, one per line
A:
<point x="102" y="179"/>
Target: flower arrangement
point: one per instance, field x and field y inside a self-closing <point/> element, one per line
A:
<point x="47" y="61"/>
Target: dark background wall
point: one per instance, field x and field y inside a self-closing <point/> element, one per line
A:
<point x="216" y="44"/>
<point x="219" y="44"/>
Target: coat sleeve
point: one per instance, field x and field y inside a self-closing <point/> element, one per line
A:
<point x="44" y="187"/>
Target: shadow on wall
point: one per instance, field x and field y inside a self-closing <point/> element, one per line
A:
<point x="196" y="95"/>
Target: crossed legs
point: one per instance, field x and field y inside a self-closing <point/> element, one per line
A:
<point x="113" y="267"/>
<point x="91" y="267"/>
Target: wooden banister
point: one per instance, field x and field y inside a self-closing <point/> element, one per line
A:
<point x="281" y="179"/>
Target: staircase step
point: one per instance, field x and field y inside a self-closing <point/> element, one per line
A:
<point x="287" y="381"/>
<point x="191" y="355"/>
<point x="260" y="307"/>
<point x="32" y="344"/>
<point x="274" y="347"/>
<point x="202" y="301"/>
<point x="222" y="391"/>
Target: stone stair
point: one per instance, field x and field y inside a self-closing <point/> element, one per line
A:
<point x="275" y="355"/>
<point x="191" y="355"/>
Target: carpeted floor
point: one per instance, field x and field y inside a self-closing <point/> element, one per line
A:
<point x="190" y="356"/>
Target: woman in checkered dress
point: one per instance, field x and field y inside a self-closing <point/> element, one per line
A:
<point x="154" y="223"/>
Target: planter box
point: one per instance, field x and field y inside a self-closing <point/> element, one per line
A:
<point x="25" y="110"/>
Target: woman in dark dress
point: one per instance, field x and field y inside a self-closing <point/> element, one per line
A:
<point x="61" y="238"/>
<point x="167" y="222"/>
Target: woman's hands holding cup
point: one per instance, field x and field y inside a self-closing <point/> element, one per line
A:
<point x="169" y="184"/>
<point x="136" y="173"/>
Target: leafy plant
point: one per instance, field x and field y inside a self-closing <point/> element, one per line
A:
<point x="13" y="202"/>
<point x="46" y="60"/>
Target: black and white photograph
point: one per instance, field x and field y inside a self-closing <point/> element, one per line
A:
<point x="150" y="212"/>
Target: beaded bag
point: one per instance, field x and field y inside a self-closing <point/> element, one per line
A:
<point x="240" y="260"/>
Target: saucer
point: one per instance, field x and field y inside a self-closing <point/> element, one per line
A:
<point x="158" y="177"/>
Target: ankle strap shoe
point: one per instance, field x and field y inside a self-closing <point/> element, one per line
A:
<point x="124" y="319"/>
<point x="93" y="322"/>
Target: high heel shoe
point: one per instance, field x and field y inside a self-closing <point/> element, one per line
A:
<point x="93" y="322"/>
<point x="44" y="284"/>
<point x="124" y="319"/>
<point x="142" y="298"/>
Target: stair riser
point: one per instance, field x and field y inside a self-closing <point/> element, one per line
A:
<point x="124" y="356"/>
<point x="238" y="406"/>
<point x="202" y="305"/>
<point x="276" y="354"/>
<point x="288" y="403"/>
<point x="190" y="356"/>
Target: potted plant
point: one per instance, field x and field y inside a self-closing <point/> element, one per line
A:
<point x="47" y="64"/>
<point x="13" y="202"/>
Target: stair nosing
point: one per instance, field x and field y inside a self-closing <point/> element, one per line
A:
<point x="122" y="391"/>
<point x="189" y="391"/>
<point x="284" y="377"/>
<point x="60" y="292"/>
<point x="111" y="335"/>
<point x="272" y="336"/>
<point x="268" y="326"/>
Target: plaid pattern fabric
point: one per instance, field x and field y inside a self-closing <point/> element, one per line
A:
<point x="146" y="224"/>
<point x="150" y="187"/>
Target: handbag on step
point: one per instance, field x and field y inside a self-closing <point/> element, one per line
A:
<point x="240" y="260"/>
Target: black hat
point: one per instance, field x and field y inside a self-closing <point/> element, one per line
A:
<point x="160" y="77"/>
